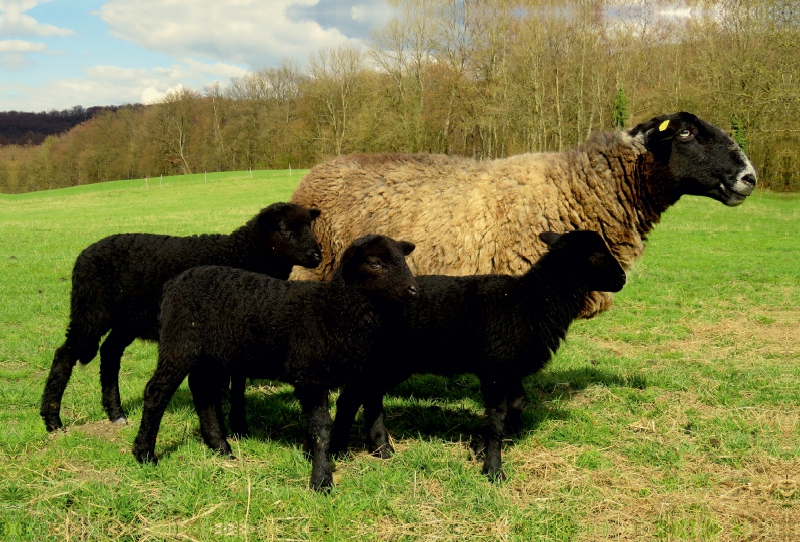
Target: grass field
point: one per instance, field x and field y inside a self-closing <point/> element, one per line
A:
<point x="674" y="416"/>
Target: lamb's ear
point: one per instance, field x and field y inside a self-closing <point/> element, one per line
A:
<point x="265" y="221"/>
<point x="314" y="213"/>
<point x="550" y="237"/>
<point x="406" y="247"/>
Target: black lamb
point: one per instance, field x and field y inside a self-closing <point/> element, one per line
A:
<point x="313" y="335"/>
<point x="117" y="284"/>
<point x="501" y="328"/>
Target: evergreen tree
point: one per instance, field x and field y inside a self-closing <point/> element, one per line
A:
<point x="621" y="112"/>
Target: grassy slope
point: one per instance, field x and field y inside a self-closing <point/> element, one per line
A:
<point x="673" y="416"/>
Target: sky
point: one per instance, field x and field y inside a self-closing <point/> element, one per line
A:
<point x="55" y="54"/>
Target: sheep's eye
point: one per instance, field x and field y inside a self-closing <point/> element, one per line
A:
<point x="286" y="233"/>
<point x="685" y="133"/>
<point x="375" y="265"/>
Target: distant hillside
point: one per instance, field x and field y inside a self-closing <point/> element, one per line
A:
<point x="21" y="128"/>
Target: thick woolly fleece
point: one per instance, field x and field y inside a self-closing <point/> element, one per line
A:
<point x="117" y="284"/>
<point x="313" y="335"/>
<point x="469" y="217"/>
<point x="501" y="328"/>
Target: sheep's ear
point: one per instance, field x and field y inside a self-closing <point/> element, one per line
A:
<point x="550" y="237"/>
<point x="314" y="213"/>
<point x="665" y="129"/>
<point x="657" y="129"/>
<point x="407" y="247"/>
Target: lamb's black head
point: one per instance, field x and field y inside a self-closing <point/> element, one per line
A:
<point x="587" y="252"/>
<point x="376" y="264"/>
<point x="700" y="158"/>
<point x="285" y="230"/>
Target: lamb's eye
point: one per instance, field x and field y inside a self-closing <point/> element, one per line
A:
<point x="286" y="233"/>
<point x="685" y="134"/>
<point x="375" y="265"/>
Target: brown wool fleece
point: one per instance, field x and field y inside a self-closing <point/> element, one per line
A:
<point x="474" y="217"/>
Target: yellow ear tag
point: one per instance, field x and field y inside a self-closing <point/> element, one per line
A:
<point x="663" y="126"/>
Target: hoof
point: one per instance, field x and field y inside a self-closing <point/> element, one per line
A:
<point x="145" y="457"/>
<point x="122" y="420"/>
<point x="54" y="425"/>
<point x="495" y="476"/>
<point x="383" y="452"/>
<point x="322" y="486"/>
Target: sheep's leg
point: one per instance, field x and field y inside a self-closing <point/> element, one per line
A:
<point x="516" y="403"/>
<point x="495" y="399"/>
<point x="157" y="394"/>
<point x="347" y="406"/>
<point x="318" y="418"/>
<point x="236" y="416"/>
<point x="207" y="396"/>
<point x="110" y="357"/>
<point x="375" y="423"/>
<point x="63" y="362"/>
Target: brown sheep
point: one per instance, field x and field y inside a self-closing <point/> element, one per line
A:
<point x="470" y="217"/>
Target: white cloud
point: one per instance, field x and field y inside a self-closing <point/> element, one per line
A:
<point x="15" y="55"/>
<point x="113" y="85"/>
<point x="150" y="95"/>
<point x="20" y="46"/>
<point x="252" y="32"/>
<point x="13" y="21"/>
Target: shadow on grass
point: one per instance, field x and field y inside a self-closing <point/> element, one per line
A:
<point x="424" y="406"/>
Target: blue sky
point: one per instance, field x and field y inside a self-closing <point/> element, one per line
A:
<point x="56" y="54"/>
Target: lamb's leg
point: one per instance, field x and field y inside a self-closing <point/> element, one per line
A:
<point x="236" y="416"/>
<point x="495" y="399"/>
<point x="375" y="423"/>
<point x="64" y="360"/>
<point x="346" y="409"/>
<point x="157" y="394"/>
<point x="110" y="357"/>
<point x="315" y="409"/>
<point x="516" y="403"/>
<point x="207" y="396"/>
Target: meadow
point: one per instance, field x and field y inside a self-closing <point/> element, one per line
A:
<point x="673" y="416"/>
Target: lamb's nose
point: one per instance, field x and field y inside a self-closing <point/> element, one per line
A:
<point x="750" y="179"/>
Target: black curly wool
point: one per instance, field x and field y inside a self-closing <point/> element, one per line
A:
<point x="117" y="284"/>
<point x="314" y="335"/>
<point x="501" y="328"/>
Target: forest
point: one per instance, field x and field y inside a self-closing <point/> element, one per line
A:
<point x="485" y="79"/>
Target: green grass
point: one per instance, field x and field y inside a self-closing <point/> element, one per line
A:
<point x="674" y="416"/>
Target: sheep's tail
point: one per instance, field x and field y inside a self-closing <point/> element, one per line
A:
<point x="89" y="321"/>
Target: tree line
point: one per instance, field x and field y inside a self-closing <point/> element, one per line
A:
<point x="23" y="128"/>
<point x="483" y="79"/>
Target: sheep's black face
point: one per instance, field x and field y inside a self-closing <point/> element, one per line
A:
<point x="588" y="253"/>
<point x="700" y="158"/>
<point x="376" y="264"/>
<point x="285" y="229"/>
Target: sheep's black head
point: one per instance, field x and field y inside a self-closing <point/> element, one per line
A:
<point x="589" y="255"/>
<point x="376" y="264"/>
<point x="699" y="158"/>
<point x="285" y="230"/>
